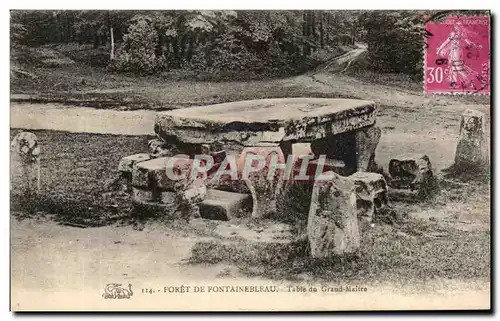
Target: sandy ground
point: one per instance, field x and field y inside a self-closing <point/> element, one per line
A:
<point x="60" y="267"/>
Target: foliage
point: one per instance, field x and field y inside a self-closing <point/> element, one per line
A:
<point x="137" y="53"/>
<point x="395" y="40"/>
<point x="237" y="43"/>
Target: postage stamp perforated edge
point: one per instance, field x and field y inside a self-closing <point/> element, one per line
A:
<point x="425" y="47"/>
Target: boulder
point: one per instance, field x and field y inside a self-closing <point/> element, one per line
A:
<point x="412" y="172"/>
<point x="332" y="226"/>
<point x="371" y="194"/>
<point x="472" y="147"/>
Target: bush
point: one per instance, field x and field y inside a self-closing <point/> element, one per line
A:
<point x="137" y="53"/>
<point x="395" y="41"/>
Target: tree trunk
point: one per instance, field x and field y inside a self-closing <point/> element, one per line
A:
<point x="328" y="28"/>
<point x="321" y="31"/>
<point x="304" y="33"/>
<point x="96" y="39"/>
<point x="112" y="52"/>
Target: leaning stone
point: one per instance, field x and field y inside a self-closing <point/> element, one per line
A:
<point x="367" y="140"/>
<point x="472" y="147"/>
<point x="371" y="194"/>
<point x="332" y="227"/>
<point x="412" y="172"/>
<point x="127" y="163"/>
<point x="222" y="205"/>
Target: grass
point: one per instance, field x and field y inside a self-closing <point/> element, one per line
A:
<point x="411" y="251"/>
<point x="95" y="86"/>
<point x="76" y="170"/>
<point x="80" y="84"/>
<point x="412" y="247"/>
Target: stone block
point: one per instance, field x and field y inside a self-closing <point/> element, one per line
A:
<point x="332" y="226"/>
<point x="152" y="174"/>
<point x="263" y="188"/>
<point x="188" y="198"/>
<point x="472" y="147"/>
<point x="148" y="204"/>
<point x="127" y="163"/>
<point x="371" y="194"/>
<point x="140" y="195"/>
<point x="222" y="205"/>
<point x="412" y="172"/>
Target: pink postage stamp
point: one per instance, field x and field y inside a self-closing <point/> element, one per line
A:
<point x="457" y="55"/>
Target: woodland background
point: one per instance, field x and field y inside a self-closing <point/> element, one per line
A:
<point x="225" y="44"/>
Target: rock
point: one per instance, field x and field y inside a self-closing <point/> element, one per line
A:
<point x="264" y="189"/>
<point x="152" y="174"/>
<point x="159" y="148"/>
<point x="472" y="147"/>
<point x="294" y="198"/>
<point x="25" y="165"/>
<point x="188" y="198"/>
<point x="145" y="196"/>
<point x="412" y="172"/>
<point x="255" y="122"/>
<point x="371" y="194"/>
<point x="148" y="204"/>
<point x="332" y="226"/>
<point x="127" y="163"/>
<point x="366" y="143"/>
<point x="221" y="205"/>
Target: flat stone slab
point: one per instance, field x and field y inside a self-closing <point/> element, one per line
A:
<point x="265" y="121"/>
<point x="127" y="163"/>
<point x="222" y="205"/>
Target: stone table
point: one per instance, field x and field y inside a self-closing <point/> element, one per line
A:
<point x="341" y="129"/>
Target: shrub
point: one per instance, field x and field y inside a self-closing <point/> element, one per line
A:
<point x="395" y="41"/>
<point x="137" y="53"/>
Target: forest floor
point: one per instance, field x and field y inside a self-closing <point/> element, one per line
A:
<point x="440" y="258"/>
<point x="51" y="78"/>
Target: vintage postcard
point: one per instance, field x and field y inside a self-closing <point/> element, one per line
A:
<point x="220" y="160"/>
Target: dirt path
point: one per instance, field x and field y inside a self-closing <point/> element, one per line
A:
<point x="61" y="267"/>
<point x="81" y="119"/>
